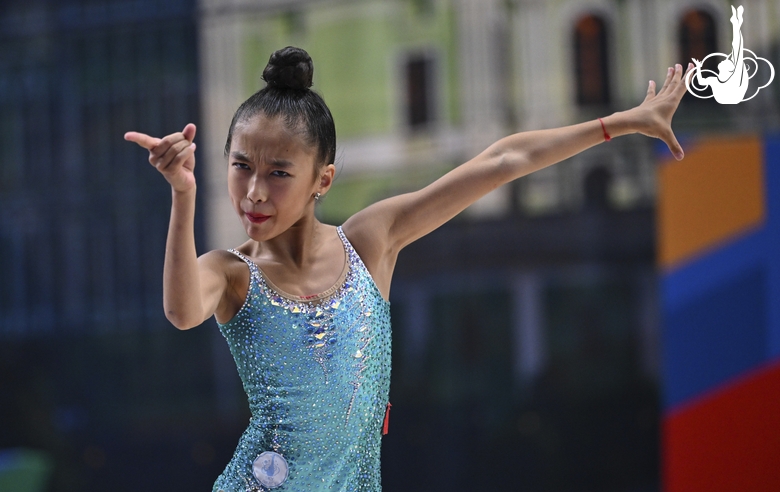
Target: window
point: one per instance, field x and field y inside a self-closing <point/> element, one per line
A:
<point x="697" y="38"/>
<point x="590" y="51"/>
<point x="419" y="88"/>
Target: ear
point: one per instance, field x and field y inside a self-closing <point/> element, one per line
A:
<point x="327" y="174"/>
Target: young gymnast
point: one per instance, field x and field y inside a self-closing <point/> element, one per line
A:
<point x="303" y="305"/>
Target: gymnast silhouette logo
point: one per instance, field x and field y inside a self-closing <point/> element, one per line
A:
<point x="270" y="469"/>
<point x="730" y="84"/>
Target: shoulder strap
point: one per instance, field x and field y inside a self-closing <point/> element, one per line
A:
<point x="357" y="262"/>
<point x="347" y="245"/>
<point x="251" y="264"/>
<point x="354" y="258"/>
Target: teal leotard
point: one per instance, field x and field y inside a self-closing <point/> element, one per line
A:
<point x="317" y="374"/>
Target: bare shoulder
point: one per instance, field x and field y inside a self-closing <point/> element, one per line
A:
<point x="217" y="257"/>
<point x="226" y="272"/>
<point x="220" y="262"/>
<point x="361" y="233"/>
<point x="369" y="235"/>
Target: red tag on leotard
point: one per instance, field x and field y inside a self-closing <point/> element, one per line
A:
<point x="386" y="425"/>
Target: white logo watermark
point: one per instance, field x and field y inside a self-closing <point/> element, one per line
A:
<point x="730" y="84"/>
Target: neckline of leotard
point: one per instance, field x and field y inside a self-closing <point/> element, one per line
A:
<point x="314" y="297"/>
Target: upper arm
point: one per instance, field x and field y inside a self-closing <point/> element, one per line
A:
<point x="393" y="223"/>
<point x="381" y="230"/>
<point x="214" y="280"/>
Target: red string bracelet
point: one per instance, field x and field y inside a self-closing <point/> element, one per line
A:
<point x="607" y="138"/>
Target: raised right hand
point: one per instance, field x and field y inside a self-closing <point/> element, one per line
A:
<point x="173" y="156"/>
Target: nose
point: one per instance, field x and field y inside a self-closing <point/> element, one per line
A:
<point x="257" y="191"/>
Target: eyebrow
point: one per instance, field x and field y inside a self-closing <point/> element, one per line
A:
<point x="282" y="163"/>
<point x="240" y="156"/>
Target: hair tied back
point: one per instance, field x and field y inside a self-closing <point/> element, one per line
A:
<point x="289" y="68"/>
<point x="287" y="95"/>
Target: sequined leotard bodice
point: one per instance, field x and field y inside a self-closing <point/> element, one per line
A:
<point x="317" y="374"/>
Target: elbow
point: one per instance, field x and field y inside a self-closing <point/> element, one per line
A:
<point x="179" y="321"/>
<point x="509" y="163"/>
<point x="182" y="316"/>
<point x="184" y="327"/>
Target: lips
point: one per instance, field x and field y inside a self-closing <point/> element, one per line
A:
<point x="256" y="218"/>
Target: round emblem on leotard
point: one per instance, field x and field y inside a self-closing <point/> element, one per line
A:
<point x="270" y="469"/>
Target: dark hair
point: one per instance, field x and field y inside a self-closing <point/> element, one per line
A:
<point x="289" y="75"/>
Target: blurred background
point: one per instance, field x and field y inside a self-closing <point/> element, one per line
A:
<point x="611" y="323"/>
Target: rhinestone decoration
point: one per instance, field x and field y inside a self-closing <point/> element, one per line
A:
<point x="317" y="377"/>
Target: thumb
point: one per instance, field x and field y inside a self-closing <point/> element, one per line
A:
<point x="674" y="146"/>
<point x="189" y="131"/>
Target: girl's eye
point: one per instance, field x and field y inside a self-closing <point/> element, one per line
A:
<point x="280" y="173"/>
<point x="240" y="165"/>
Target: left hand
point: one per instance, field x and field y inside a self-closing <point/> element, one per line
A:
<point x="654" y="116"/>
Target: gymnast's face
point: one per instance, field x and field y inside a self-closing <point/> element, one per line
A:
<point x="272" y="176"/>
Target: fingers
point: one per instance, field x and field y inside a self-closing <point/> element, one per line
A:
<point x="189" y="132"/>
<point x="670" y="72"/>
<point x="173" y="156"/>
<point x="681" y="87"/>
<point x="162" y="162"/>
<point x="670" y="82"/>
<point x="691" y="68"/>
<point x="142" y="139"/>
<point x="170" y="152"/>
<point x="676" y="77"/>
<point x="179" y="170"/>
<point x="650" y="90"/>
<point x="180" y="158"/>
<point x="674" y="80"/>
<point x="671" y="77"/>
<point x="171" y="145"/>
<point x="149" y="142"/>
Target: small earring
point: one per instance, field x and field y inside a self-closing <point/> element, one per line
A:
<point x="317" y="197"/>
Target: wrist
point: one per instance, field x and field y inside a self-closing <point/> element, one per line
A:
<point x="620" y="123"/>
<point x="183" y="194"/>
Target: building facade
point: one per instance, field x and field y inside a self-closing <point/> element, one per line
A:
<point x="419" y="86"/>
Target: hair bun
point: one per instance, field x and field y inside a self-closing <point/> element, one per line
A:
<point x="289" y="68"/>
